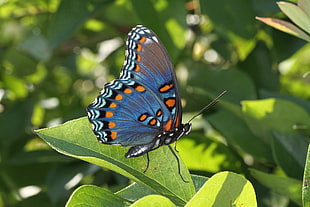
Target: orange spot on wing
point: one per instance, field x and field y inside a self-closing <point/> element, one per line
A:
<point x="118" y="97"/>
<point x="168" y="126"/>
<point x="139" y="48"/>
<point x="109" y="114"/>
<point x="140" y="88"/>
<point x="143" y="39"/>
<point x="152" y="122"/>
<point x="113" y="105"/>
<point x="111" y="125"/>
<point x="138" y="58"/>
<point x="142" y="117"/>
<point x="113" y="134"/>
<point x="170" y="102"/>
<point x="159" y="113"/>
<point x="137" y="68"/>
<point x="177" y="121"/>
<point x="128" y="91"/>
<point x="166" y="88"/>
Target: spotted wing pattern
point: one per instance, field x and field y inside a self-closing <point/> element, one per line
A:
<point x="144" y="101"/>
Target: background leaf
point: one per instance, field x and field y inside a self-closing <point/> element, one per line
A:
<point x="296" y="14"/>
<point x="224" y="189"/>
<point x="287" y="186"/>
<point x="70" y="16"/>
<point x="285" y="27"/>
<point x="88" y="195"/>
<point x="273" y="114"/>
<point x="153" y="200"/>
<point x="306" y="179"/>
<point x="284" y="149"/>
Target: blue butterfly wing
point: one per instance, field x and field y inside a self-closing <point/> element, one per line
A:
<point x="148" y="61"/>
<point x="116" y="112"/>
<point x="144" y="100"/>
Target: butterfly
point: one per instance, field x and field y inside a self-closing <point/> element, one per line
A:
<point x="142" y="108"/>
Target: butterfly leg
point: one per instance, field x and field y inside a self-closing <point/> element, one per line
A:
<point x="179" y="166"/>
<point x="175" y="147"/>
<point x="148" y="162"/>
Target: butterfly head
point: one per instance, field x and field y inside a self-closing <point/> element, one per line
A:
<point x="171" y="136"/>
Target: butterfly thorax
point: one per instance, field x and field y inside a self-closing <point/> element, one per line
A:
<point x="163" y="138"/>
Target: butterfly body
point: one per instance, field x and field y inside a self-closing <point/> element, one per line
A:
<point x="141" y="108"/>
<point x="164" y="138"/>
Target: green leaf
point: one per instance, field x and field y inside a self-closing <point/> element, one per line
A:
<point x="225" y="18"/>
<point x="264" y="94"/>
<point x="202" y="154"/>
<point x="286" y="186"/>
<point x="75" y="138"/>
<point x="39" y="199"/>
<point x="14" y="60"/>
<point x="60" y="177"/>
<point x="37" y="47"/>
<point x="296" y="14"/>
<point x="290" y="152"/>
<point x="306" y="181"/>
<point x="199" y="181"/>
<point x="225" y="189"/>
<point x="304" y="5"/>
<point x="285" y="26"/>
<point x="69" y="17"/>
<point x="38" y="156"/>
<point x="93" y="196"/>
<point x="212" y="82"/>
<point x="153" y="201"/>
<point x="14" y="131"/>
<point x="264" y="116"/>
<point x="134" y="192"/>
<point x="241" y="137"/>
<point x="259" y="66"/>
<point x="236" y="27"/>
<point x="15" y="86"/>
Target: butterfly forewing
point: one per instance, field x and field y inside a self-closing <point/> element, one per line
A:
<point x="147" y="60"/>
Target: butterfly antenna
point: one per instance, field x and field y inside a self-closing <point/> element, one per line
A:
<point x="212" y="103"/>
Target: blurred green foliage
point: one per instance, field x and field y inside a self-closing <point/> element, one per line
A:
<point x="55" y="56"/>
